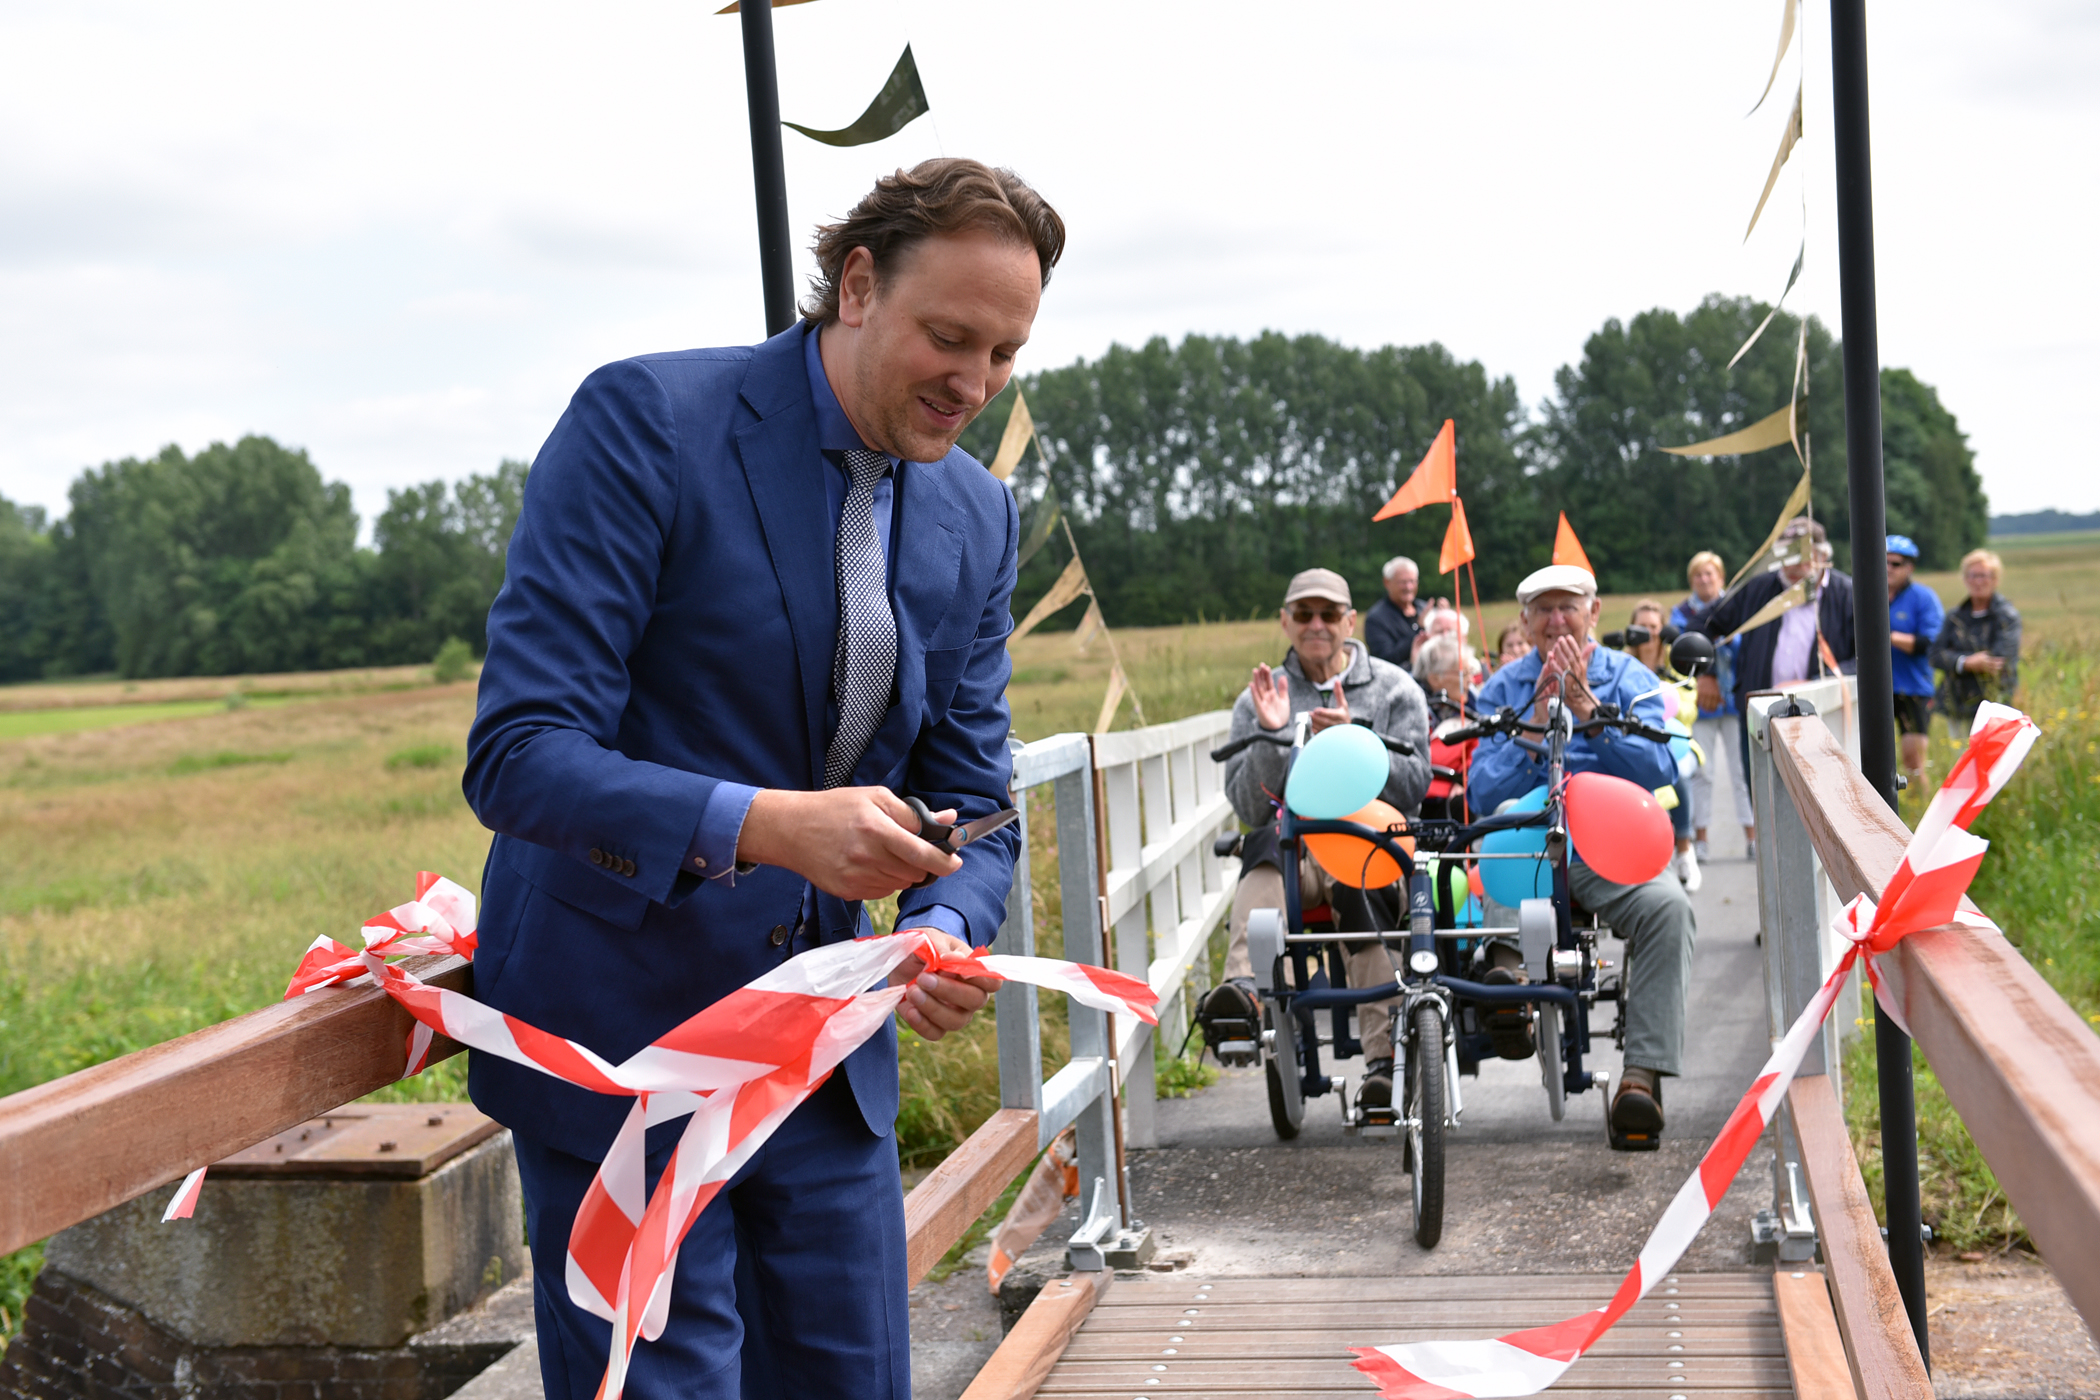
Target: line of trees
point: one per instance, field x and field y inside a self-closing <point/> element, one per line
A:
<point x="242" y="558"/>
<point x="1199" y="477"/>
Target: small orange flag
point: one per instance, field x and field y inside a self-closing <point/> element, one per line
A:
<point x="1458" y="540"/>
<point x="1435" y="480"/>
<point x="1567" y="549"/>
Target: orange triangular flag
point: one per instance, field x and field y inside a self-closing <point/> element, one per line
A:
<point x="1458" y="540"/>
<point x="1567" y="549"/>
<point x="1435" y="480"/>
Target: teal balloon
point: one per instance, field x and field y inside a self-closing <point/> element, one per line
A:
<point x="1511" y="882"/>
<point x="1338" y="772"/>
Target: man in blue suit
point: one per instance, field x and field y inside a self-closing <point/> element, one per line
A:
<point x="754" y="594"/>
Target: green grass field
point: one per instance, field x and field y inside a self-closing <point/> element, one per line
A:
<point x="168" y="857"/>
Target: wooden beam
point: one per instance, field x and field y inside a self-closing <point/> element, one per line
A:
<point x="1878" y="1342"/>
<point x="941" y="1208"/>
<point x="1023" y="1361"/>
<point x="74" y="1147"/>
<point x="1815" y="1351"/>
<point x="2019" y="1065"/>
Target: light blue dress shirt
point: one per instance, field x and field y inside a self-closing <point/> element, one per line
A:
<point x="714" y="843"/>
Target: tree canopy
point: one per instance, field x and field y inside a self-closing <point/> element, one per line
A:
<point x="1198" y="477"/>
<point x="242" y="558"/>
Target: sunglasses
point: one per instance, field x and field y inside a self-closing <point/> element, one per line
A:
<point x="1330" y="615"/>
<point x="1899" y="562"/>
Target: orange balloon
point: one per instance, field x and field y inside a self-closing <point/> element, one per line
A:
<point x="1355" y="862"/>
<point x="1618" y="828"/>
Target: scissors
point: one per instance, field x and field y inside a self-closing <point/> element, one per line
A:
<point x="953" y="838"/>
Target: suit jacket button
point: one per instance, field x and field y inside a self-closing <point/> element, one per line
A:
<point x="627" y="867"/>
<point x="597" y="856"/>
<point x="779" y="935"/>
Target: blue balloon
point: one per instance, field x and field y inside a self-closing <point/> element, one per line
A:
<point x="1511" y="882"/>
<point x="1340" y="770"/>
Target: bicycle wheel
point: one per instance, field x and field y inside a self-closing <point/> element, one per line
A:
<point x="1286" y="1088"/>
<point x="1552" y="1072"/>
<point x="1425" y="1120"/>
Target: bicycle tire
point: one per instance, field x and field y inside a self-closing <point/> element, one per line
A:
<point x="1425" y="1116"/>
<point x="1552" y="1068"/>
<point x="1286" y="1086"/>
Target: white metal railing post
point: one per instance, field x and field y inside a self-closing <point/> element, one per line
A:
<point x="1014" y="1004"/>
<point x="1793" y="912"/>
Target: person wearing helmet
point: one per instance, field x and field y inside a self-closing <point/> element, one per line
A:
<point x="1915" y="617"/>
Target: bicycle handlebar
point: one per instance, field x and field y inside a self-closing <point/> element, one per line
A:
<point x="1284" y="741"/>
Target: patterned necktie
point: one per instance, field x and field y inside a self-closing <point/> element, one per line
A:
<point x="865" y="666"/>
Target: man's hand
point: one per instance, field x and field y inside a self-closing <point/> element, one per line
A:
<point x="938" y="1003"/>
<point x="1327" y="716"/>
<point x="1272" y="697"/>
<point x="1709" y="693"/>
<point x="856" y="843"/>
<point x="1570" y="658"/>
<point x="1983" y="661"/>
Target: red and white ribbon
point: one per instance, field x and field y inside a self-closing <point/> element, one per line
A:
<point x="1925" y="892"/>
<point x="738" y="1068"/>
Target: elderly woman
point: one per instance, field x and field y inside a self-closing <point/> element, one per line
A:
<point x="1718" y="718"/>
<point x="1648" y="615"/>
<point x="1978" y="647"/>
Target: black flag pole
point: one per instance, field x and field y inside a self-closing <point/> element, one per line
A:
<point x="1870" y="593"/>
<point x="768" y="166"/>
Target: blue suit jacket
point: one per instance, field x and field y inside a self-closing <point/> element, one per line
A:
<point x="667" y="623"/>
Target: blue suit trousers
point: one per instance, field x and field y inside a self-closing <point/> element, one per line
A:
<point x="792" y="1282"/>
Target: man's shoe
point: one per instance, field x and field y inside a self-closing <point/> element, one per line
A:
<point x="1377" y="1090"/>
<point x="1699" y="850"/>
<point x="1688" y="873"/>
<point x="1636" y="1111"/>
<point x="1230" y="1016"/>
<point x="1509" y="1027"/>
<point x="1750" y="849"/>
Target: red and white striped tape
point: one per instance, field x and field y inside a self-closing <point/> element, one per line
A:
<point x="1925" y="892"/>
<point x="738" y="1068"/>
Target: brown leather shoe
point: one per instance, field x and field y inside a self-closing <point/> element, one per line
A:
<point x="1636" y="1110"/>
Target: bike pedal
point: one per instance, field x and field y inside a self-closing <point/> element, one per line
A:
<point x="1236" y="1054"/>
<point x="1635" y="1142"/>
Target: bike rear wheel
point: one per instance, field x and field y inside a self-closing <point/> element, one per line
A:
<point x="1425" y="1120"/>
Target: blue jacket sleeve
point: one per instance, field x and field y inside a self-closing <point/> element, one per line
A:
<point x="963" y="763"/>
<point x="579" y="589"/>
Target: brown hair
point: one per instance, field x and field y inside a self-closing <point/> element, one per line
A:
<point x="1647" y="605"/>
<point x="942" y="196"/>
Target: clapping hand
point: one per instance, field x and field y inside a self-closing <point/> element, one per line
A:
<point x="1271" y="690"/>
<point x="1571" y="658"/>
<point x="1328" y="716"/>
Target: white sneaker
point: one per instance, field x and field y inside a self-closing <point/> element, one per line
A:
<point x="1699" y="849"/>
<point x="1688" y="872"/>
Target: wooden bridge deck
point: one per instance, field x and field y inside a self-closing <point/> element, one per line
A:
<point x="1703" y="1335"/>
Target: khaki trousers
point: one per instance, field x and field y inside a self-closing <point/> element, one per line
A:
<point x="1370" y="963"/>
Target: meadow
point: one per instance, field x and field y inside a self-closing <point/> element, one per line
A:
<point x="170" y="847"/>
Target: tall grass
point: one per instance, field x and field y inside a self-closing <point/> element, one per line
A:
<point x="2037" y="883"/>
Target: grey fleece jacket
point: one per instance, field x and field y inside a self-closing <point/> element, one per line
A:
<point x="1378" y="691"/>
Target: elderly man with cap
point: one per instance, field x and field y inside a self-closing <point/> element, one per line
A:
<point x="1329" y="676"/>
<point x="1655" y="920"/>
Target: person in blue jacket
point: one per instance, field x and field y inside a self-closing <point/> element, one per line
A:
<point x="1560" y="609"/>
<point x="755" y="594"/>
<point x="1915" y="618"/>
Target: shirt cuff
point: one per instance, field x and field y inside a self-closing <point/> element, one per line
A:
<point x="937" y="916"/>
<point x="713" y="852"/>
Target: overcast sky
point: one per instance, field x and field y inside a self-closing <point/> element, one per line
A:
<point x="398" y="235"/>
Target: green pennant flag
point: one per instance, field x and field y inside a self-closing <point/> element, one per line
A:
<point x="901" y="100"/>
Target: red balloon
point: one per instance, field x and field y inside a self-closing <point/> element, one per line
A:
<point x="1618" y="828"/>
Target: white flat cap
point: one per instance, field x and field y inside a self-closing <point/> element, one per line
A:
<point x="1557" y="578"/>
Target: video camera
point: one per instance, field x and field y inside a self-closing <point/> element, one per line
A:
<point x="1630" y="637"/>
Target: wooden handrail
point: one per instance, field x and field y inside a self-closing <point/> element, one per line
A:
<point x="77" y="1146"/>
<point x="1879" y="1346"/>
<point x="74" y="1147"/>
<point x="2019" y="1065"/>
